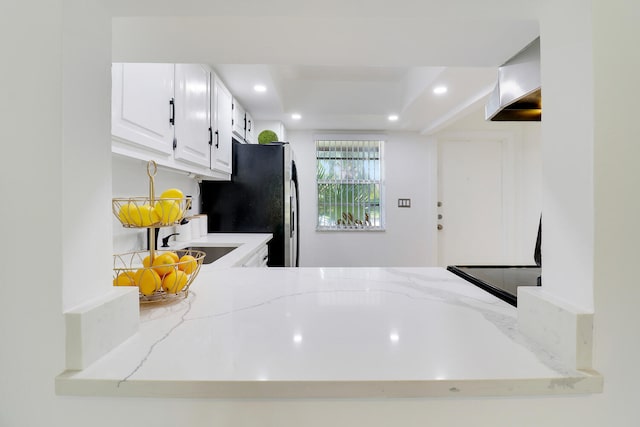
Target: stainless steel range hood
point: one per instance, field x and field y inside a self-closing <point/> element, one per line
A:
<point x="518" y="95"/>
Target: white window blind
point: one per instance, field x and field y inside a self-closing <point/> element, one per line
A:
<point x="349" y="184"/>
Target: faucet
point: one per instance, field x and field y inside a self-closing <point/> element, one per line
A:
<point x="165" y="240"/>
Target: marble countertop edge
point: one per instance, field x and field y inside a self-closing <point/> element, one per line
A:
<point x="591" y="382"/>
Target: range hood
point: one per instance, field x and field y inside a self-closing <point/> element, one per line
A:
<point x="518" y="96"/>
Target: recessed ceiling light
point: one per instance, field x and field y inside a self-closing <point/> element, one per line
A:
<point x="260" y="88"/>
<point x="439" y="90"/>
<point x="296" y="116"/>
<point x="393" y="118"/>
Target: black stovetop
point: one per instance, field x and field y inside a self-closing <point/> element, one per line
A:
<point x="500" y="280"/>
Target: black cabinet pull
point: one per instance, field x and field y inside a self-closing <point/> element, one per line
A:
<point x="172" y="105"/>
<point x="210" y="137"/>
<point x="217" y="139"/>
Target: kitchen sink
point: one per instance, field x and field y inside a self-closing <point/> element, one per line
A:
<point x="213" y="253"/>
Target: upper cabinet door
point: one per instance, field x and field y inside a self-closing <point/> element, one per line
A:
<point x="193" y="114"/>
<point x="250" y="135"/>
<point x="239" y="120"/>
<point x="222" y="103"/>
<point x="141" y="104"/>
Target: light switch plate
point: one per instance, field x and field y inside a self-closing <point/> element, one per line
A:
<point x="404" y="203"/>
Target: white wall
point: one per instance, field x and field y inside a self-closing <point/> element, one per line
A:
<point x="617" y="205"/>
<point x="31" y="178"/>
<point x="86" y="153"/>
<point x="409" y="234"/>
<point x="567" y="150"/>
<point x="31" y="293"/>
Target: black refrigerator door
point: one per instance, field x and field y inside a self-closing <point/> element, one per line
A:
<point x="253" y="202"/>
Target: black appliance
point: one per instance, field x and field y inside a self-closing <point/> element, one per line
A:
<point x="262" y="197"/>
<point x="500" y="280"/>
<point x="503" y="280"/>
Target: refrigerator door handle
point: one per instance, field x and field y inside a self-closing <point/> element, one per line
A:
<point x="292" y="215"/>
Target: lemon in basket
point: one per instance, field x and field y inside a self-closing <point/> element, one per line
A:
<point x="188" y="264"/>
<point x="172" y="193"/>
<point x="124" y="214"/>
<point x="148" y="281"/>
<point x="172" y="255"/>
<point x="146" y="262"/>
<point x="174" y="281"/>
<point x="148" y="216"/>
<point x="124" y="279"/>
<point x="168" y="211"/>
<point x="141" y="216"/>
<point x="163" y="264"/>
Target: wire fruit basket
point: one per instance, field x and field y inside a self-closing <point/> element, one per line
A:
<point x="166" y="278"/>
<point x="159" y="276"/>
<point x="136" y="212"/>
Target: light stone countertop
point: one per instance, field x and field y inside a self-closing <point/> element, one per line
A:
<point x="330" y="333"/>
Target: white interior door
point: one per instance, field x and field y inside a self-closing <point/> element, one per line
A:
<point x="472" y="202"/>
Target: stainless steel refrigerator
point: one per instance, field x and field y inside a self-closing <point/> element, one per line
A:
<point x="262" y="197"/>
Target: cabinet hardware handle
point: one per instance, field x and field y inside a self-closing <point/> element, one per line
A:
<point x="210" y="136"/>
<point x="172" y="105"/>
<point x="217" y="139"/>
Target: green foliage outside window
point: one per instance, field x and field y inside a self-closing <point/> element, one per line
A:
<point x="349" y="184"/>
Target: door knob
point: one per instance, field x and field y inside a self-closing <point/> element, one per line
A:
<point x="440" y="227"/>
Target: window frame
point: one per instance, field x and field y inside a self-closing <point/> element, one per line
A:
<point x="382" y="139"/>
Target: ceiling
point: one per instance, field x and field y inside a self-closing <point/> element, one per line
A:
<point x="339" y="67"/>
<point x="362" y="98"/>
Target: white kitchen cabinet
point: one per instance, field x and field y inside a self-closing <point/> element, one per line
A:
<point x="193" y="114"/>
<point x="239" y="120"/>
<point x="250" y="135"/>
<point x="142" y="105"/>
<point x="259" y="258"/>
<point x="163" y="112"/>
<point x="221" y="124"/>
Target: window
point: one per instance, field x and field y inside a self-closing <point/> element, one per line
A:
<point x="349" y="184"/>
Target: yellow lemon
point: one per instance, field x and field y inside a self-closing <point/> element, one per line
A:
<point x="148" y="215"/>
<point x="124" y="279"/>
<point x="163" y="264"/>
<point x="168" y="211"/>
<point x="124" y="214"/>
<point x="146" y="262"/>
<point x="148" y="281"/>
<point x="172" y="193"/>
<point x="188" y="264"/>
<point x="174" y="281"/>
<point x="141" y="216"/>
<point x="173" y="255"/>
